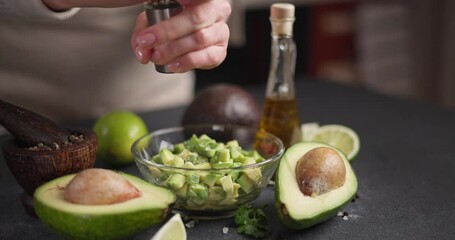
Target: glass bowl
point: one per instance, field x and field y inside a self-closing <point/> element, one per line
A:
<point x="200" y="194"/>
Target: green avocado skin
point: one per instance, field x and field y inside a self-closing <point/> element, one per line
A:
<point x="94" y="226"/>
<point x="291" y="223"/>
<point x="105" y="225"/>
<point x="305" y="223"/>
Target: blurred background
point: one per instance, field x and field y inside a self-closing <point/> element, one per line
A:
<point x="403" y="48"/>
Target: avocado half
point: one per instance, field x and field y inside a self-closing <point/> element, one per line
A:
<point x="298" y="211"/>
<point x="111" y="221"/>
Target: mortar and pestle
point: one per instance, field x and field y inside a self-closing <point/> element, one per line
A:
<point x="41" y="150"/>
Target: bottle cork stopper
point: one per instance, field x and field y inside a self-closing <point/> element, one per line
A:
<point x="282" y="17"/>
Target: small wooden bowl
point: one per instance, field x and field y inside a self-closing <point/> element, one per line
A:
<point x="32" y="168"/>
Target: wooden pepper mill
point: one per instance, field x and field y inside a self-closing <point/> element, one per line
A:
<point x="41" y="150"/>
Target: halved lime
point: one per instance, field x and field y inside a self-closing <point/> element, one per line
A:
<point x="172" y="230"/>
<point x="308" y="129"/>
<point x="341" y="137"/>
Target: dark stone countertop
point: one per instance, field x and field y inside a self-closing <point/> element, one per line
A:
<point x="405" y="169"/>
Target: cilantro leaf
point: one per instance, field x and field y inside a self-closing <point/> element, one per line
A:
<point x="252" y="221"/>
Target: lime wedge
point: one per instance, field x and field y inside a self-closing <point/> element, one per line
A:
<point x="341" y="137"/>
<point x="308" y="129"/>
<point x="172" y="230"/>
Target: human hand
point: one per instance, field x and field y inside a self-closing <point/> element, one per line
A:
<point x="67" y="4"/>
<point x="195" y="38"/>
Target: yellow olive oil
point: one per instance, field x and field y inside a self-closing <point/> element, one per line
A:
<point x="280" y="117"/>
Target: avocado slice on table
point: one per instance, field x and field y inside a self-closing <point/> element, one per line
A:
<point x="109" y="221"/>
<point x="297" y="210"/>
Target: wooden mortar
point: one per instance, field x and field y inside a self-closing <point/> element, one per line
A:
<point x="33" y="167"/>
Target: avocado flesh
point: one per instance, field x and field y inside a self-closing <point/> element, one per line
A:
<point x="298" y="211"/>
<point x="112" y="221"/>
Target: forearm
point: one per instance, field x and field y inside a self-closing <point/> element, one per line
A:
<point x="33" y="9"/>
<point x="57" y="5"/>
<point x="55" y="9"/>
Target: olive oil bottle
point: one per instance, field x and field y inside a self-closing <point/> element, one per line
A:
<point x="280" y="113"/>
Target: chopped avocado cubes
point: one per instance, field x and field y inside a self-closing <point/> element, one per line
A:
<point x="254" y="174"/>
<point x="222" y="156"/>
<point x="192" y="178"/>
<point x="183" y="191"/>
<point x="176" y="181"/>
<point x="198" y="190"/>
<point x="209" y="178"/>
<point x="216" y="193"/>
<point x="212" y="178"/>
<point x="249" y="178"/>
<point x="166" y="156"/>
<point x="226" y="183"/>
<point x="245" y="184"/>
<point x="221" y="165"/>
<point x="178" y="148"/>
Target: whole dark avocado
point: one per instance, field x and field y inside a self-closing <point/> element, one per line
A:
<point x="223" y="103"/>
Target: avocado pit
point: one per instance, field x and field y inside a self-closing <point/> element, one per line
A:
<point x="99" y="187"/>
<point x="319" y="171"/>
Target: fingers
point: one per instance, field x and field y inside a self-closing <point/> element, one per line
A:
<point x="203" y="58"/>
<point x="224" y="8"/>
<point x="188" y="21"/>
<point x="142" y="54"/>
<point x="217" y="34"/>
<point x="207" y="58"/>
<point x="195" y="38"/>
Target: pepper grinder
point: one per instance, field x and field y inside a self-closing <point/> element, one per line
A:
<point x="160" y="10"/>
